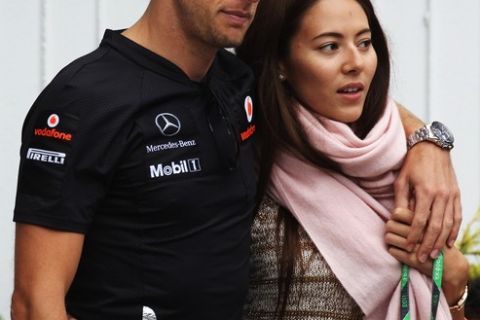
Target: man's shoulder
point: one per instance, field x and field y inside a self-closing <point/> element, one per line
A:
<point x="231" y="77"/>
<point x="103" y="68"/>
<point x="102" y="76"/>
<point x="231" y="66"/>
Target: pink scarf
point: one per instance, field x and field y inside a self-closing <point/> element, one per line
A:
<point x="345" y="215"/>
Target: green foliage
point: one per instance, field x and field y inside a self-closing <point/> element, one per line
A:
<point x="469" y="245"/>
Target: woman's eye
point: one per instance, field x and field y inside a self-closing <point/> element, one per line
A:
<point x="329" y="47"/>
<point x="365" y="43"/>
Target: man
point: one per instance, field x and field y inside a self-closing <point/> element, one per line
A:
<point x="136" y="183"/>
<point x="138" y="159"/>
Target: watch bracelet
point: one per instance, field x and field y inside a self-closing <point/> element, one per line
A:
<point x="416" y="137"/>
<point x="424" y="134"/>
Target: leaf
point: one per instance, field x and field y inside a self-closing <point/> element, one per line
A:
<point x="471" y="235"/>
<point x="469" y="244"/>
<point x="474" y="271"/>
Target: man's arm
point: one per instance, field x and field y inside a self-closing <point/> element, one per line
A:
<point x="427" y="184"/>
<point x="45" y="264"/>
<point x="409" y="120"/>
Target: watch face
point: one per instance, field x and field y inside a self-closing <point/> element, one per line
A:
<point x="441" y="132"/>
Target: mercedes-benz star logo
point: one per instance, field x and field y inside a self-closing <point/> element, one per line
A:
<point x="168" y="124"/>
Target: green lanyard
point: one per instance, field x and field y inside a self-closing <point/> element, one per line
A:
<point x="437" y="274"/>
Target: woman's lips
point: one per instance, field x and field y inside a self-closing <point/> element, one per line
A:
<point x="351" y="97"/>
<point x="351" y="92"/>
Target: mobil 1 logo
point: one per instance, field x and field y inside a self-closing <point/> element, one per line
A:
<point x="175" y="168"/>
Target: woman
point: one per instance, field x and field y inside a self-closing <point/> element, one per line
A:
<point x="332" y="145"/>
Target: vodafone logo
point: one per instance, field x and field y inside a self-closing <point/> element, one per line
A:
<point x="53" y="120"/>
<point x="249" y="108"/>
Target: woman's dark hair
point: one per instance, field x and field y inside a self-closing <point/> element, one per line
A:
<point x="266" y="43"/>
<point x="472" y="307"/>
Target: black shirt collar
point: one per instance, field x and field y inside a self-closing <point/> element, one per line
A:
<point x="227" y="71"/>
<point x="153" y="61"/>
<point x="143" y="56"/>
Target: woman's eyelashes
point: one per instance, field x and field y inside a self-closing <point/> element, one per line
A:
<point x="334" y="46"/>
<point x="365" y="43"/>
<point x="329" y="47"/>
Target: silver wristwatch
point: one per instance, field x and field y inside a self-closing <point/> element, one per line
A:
<point x="435" y="132"/>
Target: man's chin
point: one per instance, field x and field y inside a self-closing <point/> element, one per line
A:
<point x="229" y="40"/>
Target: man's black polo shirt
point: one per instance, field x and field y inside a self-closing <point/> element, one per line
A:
<point x="156" y="170"/>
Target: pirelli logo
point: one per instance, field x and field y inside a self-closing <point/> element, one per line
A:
<point x="46" y="156"/>
<point x="175" y="168"/>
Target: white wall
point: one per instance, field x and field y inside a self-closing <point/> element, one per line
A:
<point x="435" y="47"/>
<point x="38" y="38"/>
<point x="436" y="74"/>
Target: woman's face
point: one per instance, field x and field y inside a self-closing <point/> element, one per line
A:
<point x="332" y="62"/>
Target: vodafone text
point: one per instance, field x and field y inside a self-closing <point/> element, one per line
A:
<point x="53" y="133"/>
<point x="248" y="133"/>
<point x="174" y="168"/>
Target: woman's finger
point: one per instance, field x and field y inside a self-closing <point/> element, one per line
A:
<point x="395" y="240"/>
<point x="397" y="228"/>
<point x="411" y="260"/>
<point x="402" y="215"/>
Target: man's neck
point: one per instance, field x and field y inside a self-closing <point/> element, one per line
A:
<point x="160" y="31"/>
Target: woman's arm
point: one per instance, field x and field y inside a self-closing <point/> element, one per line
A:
<point x="428" y="186"/>
<point x="455" y="276"/>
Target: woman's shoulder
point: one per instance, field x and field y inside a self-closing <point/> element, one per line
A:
<point x="265" y="222"/>
<point x="267" y="209"/>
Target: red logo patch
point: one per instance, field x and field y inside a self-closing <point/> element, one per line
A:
<point x="53" y="120"/>
<point x="53" y="133"/>
<point x="249" y="108"/>
<point x="248" y="133"/>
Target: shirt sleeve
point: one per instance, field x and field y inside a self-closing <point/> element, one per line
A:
<point x="71" y="144"/>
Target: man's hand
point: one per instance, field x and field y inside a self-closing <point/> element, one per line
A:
<point x="427" y="185"/>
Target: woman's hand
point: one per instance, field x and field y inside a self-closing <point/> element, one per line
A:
<point x="455" y="275"/>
